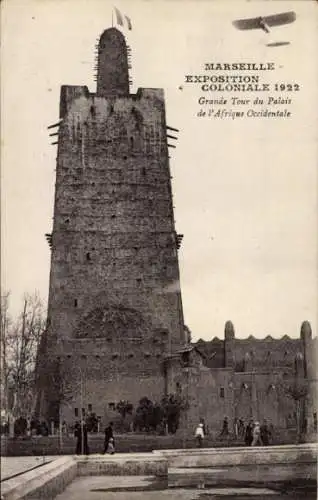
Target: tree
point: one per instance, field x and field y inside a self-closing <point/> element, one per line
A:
<point x="124" y="408"/>
<point x="172" y="406"/>
<point x="151" y="416"/>
<point x="298" y="392"/>
<point x="20" y="339"/>
<point x="5" y="324"/>
<point x="143" y="416"/>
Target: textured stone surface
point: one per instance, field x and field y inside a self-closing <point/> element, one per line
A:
<point x="123" y="464"/>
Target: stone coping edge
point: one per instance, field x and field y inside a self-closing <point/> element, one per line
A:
<point x="218" y="457"/>
<point x="238" y="449"/>
<point x="58" y="473"/>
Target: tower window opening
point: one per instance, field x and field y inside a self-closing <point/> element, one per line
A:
<point x="90" y="408"/>
<point x="113" y="216"/>
<point x="131" y="140"/>
<point x="67" y="221"/>
<point x="125" y="157"/>
<point x="76" y="412"/>
<point x="111" y="109"/>
<point x="83" y="412"/>
<point x="93" y="111"/>
<point x="75" y="303"/>
<point x="222" y="392"/>
<point x="88" y="256"/>
<point x="143" y="171"/>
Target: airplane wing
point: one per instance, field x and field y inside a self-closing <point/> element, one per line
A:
<point x="277" y="44"/>
<point x="256" y="22"/>
<point x="280" y="19"/>
<point x="247" y="24"/>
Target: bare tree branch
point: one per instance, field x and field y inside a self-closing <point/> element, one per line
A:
<point x="20" y="340"/>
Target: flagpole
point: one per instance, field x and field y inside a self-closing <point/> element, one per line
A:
<point x="112" y="17"/>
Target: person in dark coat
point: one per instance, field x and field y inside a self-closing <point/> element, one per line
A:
<point x="109" y="434"/>
<point x="80" y="432"/>
<point x="225" y="428"/>
<point x="249" y="433"/>
<point x="265" y="433"/>
<point x="241" y="427"/>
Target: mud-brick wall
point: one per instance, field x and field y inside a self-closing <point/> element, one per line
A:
<point x="262" y="395"/>
<point x="97" y="374"/>
<point x="208" y="393"/>
<point x="113" y="234"/>
<point x="114" y="267"/>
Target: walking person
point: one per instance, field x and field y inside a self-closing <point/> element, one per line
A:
<point x="111" y="446"/>
<point x="235" y="428"/>
<point x="225" y="428"/>
<point x="202" y="421"/>
<point x="109" y="439"/>
<point x="257" y="441"/>
<point x="241" y="427"/>
<point x="249" y="433"/>
<point x="199" y="435"/>
<point x="80" y="432"/>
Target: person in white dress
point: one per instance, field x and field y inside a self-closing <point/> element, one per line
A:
<point x="199" y="435"/>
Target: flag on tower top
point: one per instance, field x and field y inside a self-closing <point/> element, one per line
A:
<point x="128" y="22"/>
<point x="119" y="17"/>
<point x="122" y="20"/>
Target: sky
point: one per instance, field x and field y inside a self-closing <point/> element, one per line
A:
<point x="245" y="191"/>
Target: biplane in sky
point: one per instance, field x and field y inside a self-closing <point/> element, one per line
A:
<point x="266" y="22"/>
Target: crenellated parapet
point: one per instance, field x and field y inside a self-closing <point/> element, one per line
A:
<point x="265" y="353"/>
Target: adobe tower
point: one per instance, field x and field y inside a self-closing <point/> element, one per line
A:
<point x="115" y="307"/>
